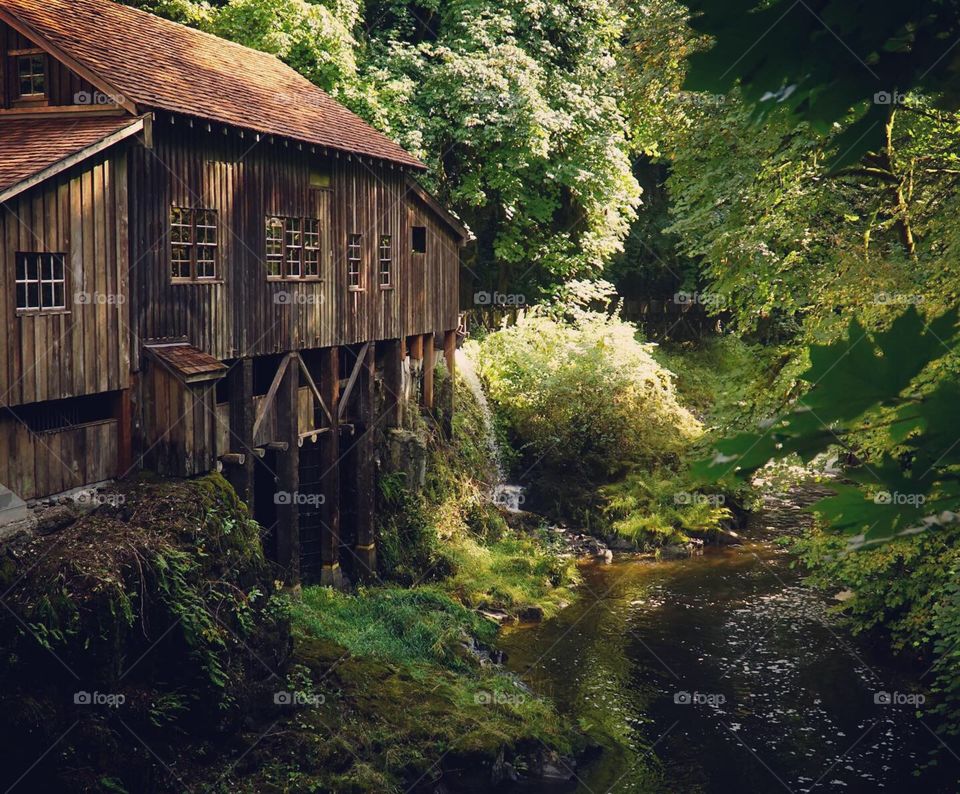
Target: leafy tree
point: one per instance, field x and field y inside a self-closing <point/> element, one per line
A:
<point x="884" y="382"/>
<point x="821" y="59"/>
<point x="511" y="105"/>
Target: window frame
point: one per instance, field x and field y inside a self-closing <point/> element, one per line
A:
<point x="388" y="259"/>
<point x="195" y="245"/>
<point x="15" y="58"/>
<point x="282" y="257"/>
<point x="355" y="262"/>
<point x="40" y="283"/>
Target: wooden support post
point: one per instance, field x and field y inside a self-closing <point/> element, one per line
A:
<point x="416" y="348"/>
<point x="330" y="471"/>
<point x="393" y="382"/>
<point x="242" y="417"/>
<point x="429" y="358"/>
<point x="450" y="355"/>
<point x="288" y="472"/>
<point x="365" y="549"/>
<point x="124" y="414"/>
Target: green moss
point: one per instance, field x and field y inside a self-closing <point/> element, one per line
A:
<point x="395" y="694"/>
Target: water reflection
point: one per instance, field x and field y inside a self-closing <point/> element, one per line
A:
<point x="728" y="675"/>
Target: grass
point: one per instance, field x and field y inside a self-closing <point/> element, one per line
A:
<point x="510" y="573"/>
<point x="396" y="698"/>
<point x="416" y="627"/>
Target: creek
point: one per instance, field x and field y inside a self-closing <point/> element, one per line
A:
<point x="724" y="673"/>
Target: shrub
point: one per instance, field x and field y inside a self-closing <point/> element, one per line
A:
<point x="583" y="399"/>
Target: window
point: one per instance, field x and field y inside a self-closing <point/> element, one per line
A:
<point x="293" y="248"/>
<point x="206" y="243"/>
<point x="294" y="243"/>
<point x="386" y="262"/>
<point x="353" y="262"/>
<point x="41" y="282"/>
<point x="31" y="76"/>
<point x="311" y="248"/>
<point x="274" y="248"/>
<point x="320" y="178"/>
<point x="419" y="239"/>
<point x="193" y="244"/>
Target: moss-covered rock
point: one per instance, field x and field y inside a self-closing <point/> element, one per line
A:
<point x="150" y="616"/>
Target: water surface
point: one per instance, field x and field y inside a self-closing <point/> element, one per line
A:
<point x="728" y="675"/>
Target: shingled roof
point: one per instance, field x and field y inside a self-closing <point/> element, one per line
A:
<point x="41" y="147"/>
<point x="158" y="64"/>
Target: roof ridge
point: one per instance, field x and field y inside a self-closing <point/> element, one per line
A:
<point x="164" y="65"/>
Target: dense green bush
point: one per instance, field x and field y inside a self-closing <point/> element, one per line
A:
<point x="582" y="396"/>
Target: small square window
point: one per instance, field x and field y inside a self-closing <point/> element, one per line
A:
<point x="41" y="282"/>
<point x="32" y="75"/>
<point x="193" y="244"/>
<point x="419" y="239"/>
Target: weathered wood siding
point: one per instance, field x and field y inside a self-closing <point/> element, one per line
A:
<point x="85" y="348"/>
<point x="37" y="464"/>
<point x="179" y="421"/>
<point x="245" y="180"/>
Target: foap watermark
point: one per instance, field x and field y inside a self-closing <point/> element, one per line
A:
<point x="696" y="98"/>
<point x="684" y="698"/>
<point x="97" y="499"/>
<point x="109" y="699"/>
<point x="286" y="298"/>
<point x="99" y="299"/>
<point x="708" y="299"/>
<point x="889" y="98"/>
<point x="298" y="699"/>
<point x="897" y="498"/>
<point x="298" y="498"/>
<point x="687" y="498"/>
<point x="499" y="699"/>
<point x="897" y="299"/>
<point x="899" y="698"/>
<point x="499" y="299"/>
<point x="97" y="98"/>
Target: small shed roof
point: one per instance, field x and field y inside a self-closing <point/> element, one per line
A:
<point x="187" y="362"/>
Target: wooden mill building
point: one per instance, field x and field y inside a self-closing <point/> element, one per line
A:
<point x="206" y="262"/>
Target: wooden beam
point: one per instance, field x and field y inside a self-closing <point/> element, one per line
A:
<point x="124" y="413"/>
<point x="393" y="382"/>
<point x="429" y="352"/>
<point x="313" y="388"/>
<point x="416" y="348"/>
<point x="242" y="419"/>
<point x="357" y="366"/>
<point x="365" y="548"/>
<point x="313" y="435"/>
<point x="330" y="473"/>
<point x="288" y="474"/>
<point x="271" y="393"/>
